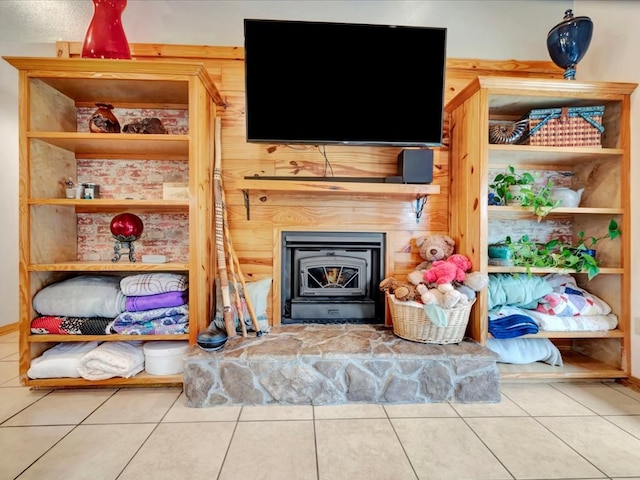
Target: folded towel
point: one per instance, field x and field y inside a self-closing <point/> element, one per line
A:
<point x="504" y="323"/>
<point x="112" y="359"/>
<point x="149" y="302"/>
<point x="153" y="283"/>
<point x="61" y="360"/>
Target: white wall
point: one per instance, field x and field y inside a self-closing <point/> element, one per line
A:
<point x="612" y="56"/>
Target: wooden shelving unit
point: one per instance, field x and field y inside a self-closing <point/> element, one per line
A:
<point x="52" y="90"/>
<point x="604" y="172"/>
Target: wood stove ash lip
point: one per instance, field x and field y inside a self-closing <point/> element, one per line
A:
<point x="364" y="305"/>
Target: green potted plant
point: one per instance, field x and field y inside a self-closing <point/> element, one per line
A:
<point x="589" y="243"/>
<point x="517" y="188"/>
<point x="504" y="182"/>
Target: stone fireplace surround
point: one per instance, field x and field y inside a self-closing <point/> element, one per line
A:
<point x="337" y="364"/>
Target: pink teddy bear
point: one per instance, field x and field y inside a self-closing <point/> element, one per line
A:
<point x="446" y="271"/>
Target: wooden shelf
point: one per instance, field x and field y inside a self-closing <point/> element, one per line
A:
<point x="295" y="187"/>
<point x="118" y="145"/>
<point x="574" y="334"/>
<point x="142" y="379"/>
<point x="555" y="157"/>
<point x="575" y="366"/>
<point x="497" y="211"/>
<point x="102" y="338"/>
<point x="108" y="205"/>
<point x="120" y="266"/>
<point x="537" y="270"/>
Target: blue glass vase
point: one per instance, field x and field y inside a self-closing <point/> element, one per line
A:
<point x="568" y="41"/>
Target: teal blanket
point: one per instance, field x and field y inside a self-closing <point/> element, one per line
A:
<point x="516" y="290"/>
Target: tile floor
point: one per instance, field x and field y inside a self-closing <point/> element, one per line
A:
<point x="538" y="431"/>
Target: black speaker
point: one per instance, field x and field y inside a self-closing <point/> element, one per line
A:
<point x="415" y="166"/>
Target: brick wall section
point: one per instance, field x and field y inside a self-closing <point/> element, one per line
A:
<point x="164" y="234"/>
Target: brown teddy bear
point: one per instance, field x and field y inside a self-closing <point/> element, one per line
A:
<point x="403" y="291"/>
<point x="434" y="247"/>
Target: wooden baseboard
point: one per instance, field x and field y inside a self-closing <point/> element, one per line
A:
<point x="631" y="382"/>
<point x="12" y="327"/>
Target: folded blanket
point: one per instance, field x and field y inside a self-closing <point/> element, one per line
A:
<point x="568" y="299"/>
<point x="153" y="283"/>
<point x="112" y="359"/>
<point x="61" y="360"/>
<point x="54" y="325"/>
<point x="510" y="323"/>
<point x="173" y="325"/>
<point x="577" y="323"/>
<point x="147" y="315"/>
<point x="519" y="290"/>
<point x="82" y="296"/>
<point x="150" y="302"/>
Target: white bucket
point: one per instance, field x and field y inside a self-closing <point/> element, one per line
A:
<point x="164" y="357"/>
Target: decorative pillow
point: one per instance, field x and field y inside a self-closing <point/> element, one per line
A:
<point x="258" y="292"/>
<point x="525" y="350"/>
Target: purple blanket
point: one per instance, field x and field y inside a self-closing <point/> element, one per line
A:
<point x="161" y="300"/>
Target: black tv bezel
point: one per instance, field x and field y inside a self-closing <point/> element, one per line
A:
<point x="436" y="142"/>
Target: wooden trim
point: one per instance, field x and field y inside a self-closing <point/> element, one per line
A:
<point x="66" y="49"/>
<point x="12" y="327"/>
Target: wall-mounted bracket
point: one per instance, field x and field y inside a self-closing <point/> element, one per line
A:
<point x="247" y="203"/>
<point x="421" y="201"/>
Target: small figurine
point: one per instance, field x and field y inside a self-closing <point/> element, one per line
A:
<point x="103" y="120"/>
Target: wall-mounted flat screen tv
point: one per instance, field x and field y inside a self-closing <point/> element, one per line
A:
<point x="342" y="83"/>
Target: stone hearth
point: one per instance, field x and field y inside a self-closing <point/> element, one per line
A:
<point x="337" y="364"/>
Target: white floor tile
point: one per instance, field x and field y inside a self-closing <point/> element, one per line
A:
<point x="135" y="405"/>
<point x="360" y="449"/>
<point x="601" y="398"/>
<point x="271" y="450"/>
<point x="505" y="408"/>
<point x="528" y="450"/>
<point x="179" y="412"/>
<point x="420" y="410"/>
<point x="62" y="407"/>
<point x="618" y="455"/>
<point x="359" y="410"/>
<point x="8" y="371"/>
<point x="540" y="399"/>
<point x="21" y="446"/>
<point x="276" y="412"/>
<point x="447" y="449"/>
<point x="16" y="399"/>
<point x="90" y="452"/>
<point x="181" y="451"/>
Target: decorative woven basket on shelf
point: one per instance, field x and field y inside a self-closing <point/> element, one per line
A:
<point x="411" y="322"/>
<point x="565" y="127"/>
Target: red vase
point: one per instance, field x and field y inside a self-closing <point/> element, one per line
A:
<point x="105" y="37"/>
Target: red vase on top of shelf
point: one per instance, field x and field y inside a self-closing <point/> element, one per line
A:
<point x="105" y="37"/>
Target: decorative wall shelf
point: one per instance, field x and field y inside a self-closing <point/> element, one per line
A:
<point x="420" y="192"/>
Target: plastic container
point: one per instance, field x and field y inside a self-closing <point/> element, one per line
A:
<point x="164" y="357"/>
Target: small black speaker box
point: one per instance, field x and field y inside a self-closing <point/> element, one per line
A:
<point x="415" y="166"/>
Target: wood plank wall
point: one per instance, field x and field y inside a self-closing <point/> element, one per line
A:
<point x="256" y="240"/>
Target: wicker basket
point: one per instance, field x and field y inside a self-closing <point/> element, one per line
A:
<point x="565" y="127"/>
<point x="412" y="323"/>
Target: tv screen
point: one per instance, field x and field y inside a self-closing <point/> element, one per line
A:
<point x="339" y="83"/>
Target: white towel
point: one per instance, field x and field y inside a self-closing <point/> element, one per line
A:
<point x="61" y="360"/>
<point x="112" y="359"/>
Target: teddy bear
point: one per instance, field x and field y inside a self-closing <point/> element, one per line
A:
<point x="446" y="271"/>
<point x="434" y="247"/>
<point x="474" y="282"/>
<point x="403" y="291"/>
<point x="443" y="295"/>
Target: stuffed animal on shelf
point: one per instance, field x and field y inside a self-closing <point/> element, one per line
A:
<point x="403" y="291"/>
<point x="443" y="295"/>
<point x="446" y="271"/>
<point x="434" y="247"/>
<point x="474" y="282"/>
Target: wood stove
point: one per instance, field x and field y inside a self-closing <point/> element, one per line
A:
<point x="332" y="277"/>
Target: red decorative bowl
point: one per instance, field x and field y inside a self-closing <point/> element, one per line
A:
<point x="126" y="226"/>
